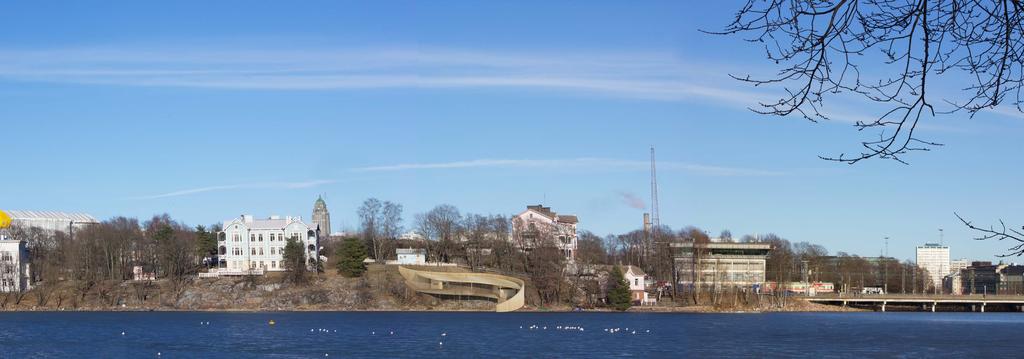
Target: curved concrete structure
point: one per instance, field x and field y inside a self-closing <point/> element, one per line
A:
<point x="508" y="291"/>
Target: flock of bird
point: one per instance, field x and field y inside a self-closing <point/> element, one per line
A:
<point x="579" y="328"/>
<point x="445" y="334"/>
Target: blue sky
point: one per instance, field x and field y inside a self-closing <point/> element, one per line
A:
<point x="210" y="110"/>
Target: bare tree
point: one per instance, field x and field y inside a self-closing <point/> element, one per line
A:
<point x="440" y="225"/>
<point x="999" y="233"/>
<point x="547" y="266"/>
<point x="370" y="219"/>
<point x="391" y="227"/>
<point x="820" y="47"/>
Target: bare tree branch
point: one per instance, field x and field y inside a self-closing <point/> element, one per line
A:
<point x="999" y="234"/>
<point x="818" y="46"/>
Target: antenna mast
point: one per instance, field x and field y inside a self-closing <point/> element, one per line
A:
<point x="655" y="216"/>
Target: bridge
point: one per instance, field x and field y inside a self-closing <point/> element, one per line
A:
<point x="933" y="303"/>
<point x="507" y="291"/>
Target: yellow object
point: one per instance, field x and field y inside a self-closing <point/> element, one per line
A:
<point x="5" y="220"/>
<point x="272" y="322"/>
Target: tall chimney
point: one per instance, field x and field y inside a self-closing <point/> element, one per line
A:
<point x="647" y="223"/>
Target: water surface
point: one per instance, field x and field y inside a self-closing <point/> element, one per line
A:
<point x="470" y="335"/>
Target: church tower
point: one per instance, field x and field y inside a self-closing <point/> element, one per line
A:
<point x="321" y="217"/>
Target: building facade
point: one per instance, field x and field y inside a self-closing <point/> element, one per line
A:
<point x="15" y="270"/>
<point x="980" y="278"/>
<point x="411" y="256"/>
<point x="720" y="264"/>
<point x="934" y="258"/>
<point x="248" y="245"/>
<point x="957" y="265"/>
<point x="637" y="280"/>
<point x="50" y="221"/>
<point x="321" y="216"/>
<point x="538" y="222"/>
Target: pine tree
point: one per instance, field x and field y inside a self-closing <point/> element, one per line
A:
<point x="206" y="241"/>
<point x="618" y="290"/>
<point x="295" y="261"/>
<point x="350" y="257"/>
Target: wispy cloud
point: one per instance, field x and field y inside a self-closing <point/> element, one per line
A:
<point x="649" y="76"/>
<point x="1008" y="111"/>
<point x="632" y="200"/>
<point x="590" y="163"/>
<point x="266" y="185"/>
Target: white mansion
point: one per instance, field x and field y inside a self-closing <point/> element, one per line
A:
<point x="15" y="271"/>
<point x="539" y="221"/>
<point x="249" y="245"/>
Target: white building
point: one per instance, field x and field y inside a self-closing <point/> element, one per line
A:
<point x="15" y="271"/>
<point x="957" y="265"/>
<point x="51" y="221"/>
<point x="637" y="280"/>
<point x="412" y="236"/>
<point x="934" y="258"/>
<point x="411" y="256"/>
<point x="539" y="221"/>
<point x="258" y="245"/>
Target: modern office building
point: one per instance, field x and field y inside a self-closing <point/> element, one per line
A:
<point x="1011" y="279"/>
<point x="720" y="264"/>
<point x="980" y="278"/>
<point x="51" y="221"/>
<point x="321" y="216"/>
<point x="248" y="245"/>
<point x="934" y="258"/>
<point x="537" y="222"/>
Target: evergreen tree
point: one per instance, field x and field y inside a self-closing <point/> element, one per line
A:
<point x="618" y="290"/>
<point x="350" y="257"/>
<point x="206" y="241"/>
<point x="295" y="261"/>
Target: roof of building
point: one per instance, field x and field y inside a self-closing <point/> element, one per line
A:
<point x="413" y="251"/>
<point x="634" y="271"/>
<point x="50" y="215"/>
<point x="547" y="212"/>
<point x="544" y="211"/>
<point x="320" y="203"/>
<point x="725" y="245"/>
<point x="568" y="218"/>
<point x="273" y="222"/>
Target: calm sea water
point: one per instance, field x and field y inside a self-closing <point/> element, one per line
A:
<point x="470" y="335"/>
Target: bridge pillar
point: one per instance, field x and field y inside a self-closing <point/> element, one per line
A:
<point x="844" y="305"/>
<point x="883" y="305"/>
<point x="983" y="307"/>
<point x="934" y="304"/>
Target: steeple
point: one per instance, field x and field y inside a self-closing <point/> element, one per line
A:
<point x="321" y="216"/>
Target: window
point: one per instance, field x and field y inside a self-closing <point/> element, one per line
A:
<point x="271" y="237"/>
<point x="253" y="251"/>
<point x="636" y="281"/>
<point x="261" y="251"/>
<point x="273" y="264"/>
<point x="261" y="237"/>
<point x="235" y="237"/>
<point x="252" y="238"/>
<point x="272" y="250"/>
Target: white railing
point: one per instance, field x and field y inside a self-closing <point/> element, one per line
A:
<point x="220" y="272"/>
